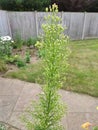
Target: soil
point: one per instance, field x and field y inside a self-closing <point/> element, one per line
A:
<point x="21" y="52"/>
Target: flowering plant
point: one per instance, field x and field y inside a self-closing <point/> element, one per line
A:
<point x="87" y="125"/>
<point x="48" y="111"/>
<point x="5" y="45"/>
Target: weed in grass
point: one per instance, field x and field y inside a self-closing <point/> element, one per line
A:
<point x="27" y="57"/>
<point x="31" y="42"/>
<point x="18" y="42"/>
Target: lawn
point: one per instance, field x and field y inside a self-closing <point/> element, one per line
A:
<point x="82" y="76"/>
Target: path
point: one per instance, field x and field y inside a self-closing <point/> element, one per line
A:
<point x="15" y="96"/>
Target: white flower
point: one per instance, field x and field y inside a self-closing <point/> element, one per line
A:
<point x="12" y="41"/>
<point x="5" y="38"/>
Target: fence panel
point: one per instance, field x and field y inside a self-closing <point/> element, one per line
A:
<point x="91" y="25"/>
<point x="4" y="24"/>
<point x="66" y="22"/>
<point x="76" y="25"/>
<point x="23" y="24"/>
<point x="29" y="24"/>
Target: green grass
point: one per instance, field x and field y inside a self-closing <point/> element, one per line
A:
<point x="82" y="76"/>
<point x="3" y="66"/>
<point x="29" y="73"/>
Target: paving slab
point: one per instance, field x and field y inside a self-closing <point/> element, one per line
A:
<point x="7" y="104"/>
<point x="11" y="87"/>
<point x="29" y="93"/>
<point x="79" y="102"/>
<point x="16" y="95"/>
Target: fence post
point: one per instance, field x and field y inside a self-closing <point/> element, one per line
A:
<point x="36" y="23"/>
<point x="83" y="31"/>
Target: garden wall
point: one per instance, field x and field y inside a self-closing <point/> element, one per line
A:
<point x="27" y="24"/>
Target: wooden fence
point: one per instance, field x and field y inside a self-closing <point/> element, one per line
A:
<point x="28" y="24"/>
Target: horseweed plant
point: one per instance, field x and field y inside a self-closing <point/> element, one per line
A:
<point x="50" y="109"/>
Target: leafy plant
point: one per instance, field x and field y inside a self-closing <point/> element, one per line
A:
<point x="18" y="42"/>
<point x="20" y="63"/>
<point x="31" y="41"/>
<point x="5" y="46"/>
<point x="2" y="127"/>
<point x="27" y="57"/>
<point x="11" y="59"/>
<point x="41" y="50"/>
<point x="3" y="66"/>
<point x="50" y="109"/>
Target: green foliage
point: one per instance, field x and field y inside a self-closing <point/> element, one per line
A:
<point x="21" y="63"/>
<point x="5" y="47"/>
<point x="95" y="128"/>
<point x="27" y="57"/>
<point x="31" y="73"/>
<point x="31" y="41"/>
<point x="18" y="42"/>
<point x="50" y="109"/>
<point x="11" y="59"/>
<point x="2" y="127"/>
<point x="24" y="5"/>
<point x="3" y="66"/>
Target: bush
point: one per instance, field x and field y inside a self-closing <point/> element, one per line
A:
<point x="24" y="5"/>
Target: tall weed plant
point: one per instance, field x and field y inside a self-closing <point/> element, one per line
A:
<point x="49" y="110"/>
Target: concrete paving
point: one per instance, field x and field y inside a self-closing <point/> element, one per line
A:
<point x="16" y="95"/>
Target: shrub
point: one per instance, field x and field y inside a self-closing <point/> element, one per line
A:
<point x="24" y="5"/>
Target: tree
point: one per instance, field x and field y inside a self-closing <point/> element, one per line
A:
<point x="93" y="7"/>
<point x="73" y="5"/>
